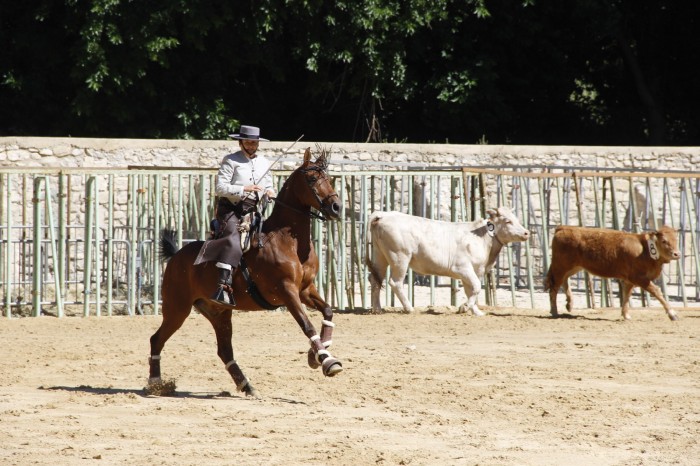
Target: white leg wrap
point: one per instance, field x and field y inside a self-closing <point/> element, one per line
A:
<point x="230" y="363"/>
<point x="328" y="343"/>
<point x="328" y="323"/>
<point x="321" y="353"/>
<point x="241" y="385"/>
<point x="154" y="357"/>
<point x="314" y="339"/>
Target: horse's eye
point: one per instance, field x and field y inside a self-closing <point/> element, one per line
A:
<point x="312" y="179"/>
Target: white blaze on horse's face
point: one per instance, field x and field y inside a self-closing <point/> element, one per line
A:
<point x="507" y="226"/>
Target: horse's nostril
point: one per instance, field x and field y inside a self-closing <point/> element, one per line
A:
<point x="336" y="207"/>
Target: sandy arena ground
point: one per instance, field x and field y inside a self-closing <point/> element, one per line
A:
<point x="435" y="388"/>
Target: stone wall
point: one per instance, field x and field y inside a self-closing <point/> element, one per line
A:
<point x="120" y="153"/>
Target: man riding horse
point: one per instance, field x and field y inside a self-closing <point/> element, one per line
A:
<point x="241" y="177"/>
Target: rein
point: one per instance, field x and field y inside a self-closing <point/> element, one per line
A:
<point x="310" y="214"/>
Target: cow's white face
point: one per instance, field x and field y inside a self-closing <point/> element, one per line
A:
<point x="507" y="226"/>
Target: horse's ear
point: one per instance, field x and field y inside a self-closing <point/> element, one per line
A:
<point x="307" y="155"/>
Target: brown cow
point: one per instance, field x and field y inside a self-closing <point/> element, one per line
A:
<point x="636" y="259"/>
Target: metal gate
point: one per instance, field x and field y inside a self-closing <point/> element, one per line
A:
<point x="84" y="241"/>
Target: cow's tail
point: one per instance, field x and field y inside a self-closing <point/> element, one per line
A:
<point x="168" y="245"/>
<point x="374" y="274"/>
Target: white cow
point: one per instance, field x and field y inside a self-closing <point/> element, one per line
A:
<point x="464" y="251"/>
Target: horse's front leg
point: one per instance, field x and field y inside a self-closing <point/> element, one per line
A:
<point x="311" y="297"/>
<point x="321" y="356"/>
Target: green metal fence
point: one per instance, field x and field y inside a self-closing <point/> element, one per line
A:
<point x="84" y="241"/>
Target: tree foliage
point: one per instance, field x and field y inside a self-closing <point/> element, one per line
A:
<point x="462" y="71"/>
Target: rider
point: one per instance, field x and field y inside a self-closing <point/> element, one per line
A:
<point x="242" y="176"/>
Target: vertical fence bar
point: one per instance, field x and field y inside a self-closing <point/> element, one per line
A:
<point x="133" y="246"/>
<point x="605" y="297"/>
<point x="97" y="216"/>
<point x="61" y="264"/>
<point x="528" y="254"/>
<point x="454" y="187"/>
<point x="578" y="190"/>
<point x="37" y="266"/>
<point x="489" y="286"/>
<point x="389" y="296"/>
<point x="8" y="243"/>
<point x="433" y="216"/>
<point x="410" y="210"/>
<point x="692" y="215"/>
<point x="366" y="206"/>
<point x="110" y="242"/>
<point x="87" y="248"/>
<point x="52" y="239"/>
<point x="156" y="229"/>
<point x="354" y="266"/>
<point x="342" y="248"/>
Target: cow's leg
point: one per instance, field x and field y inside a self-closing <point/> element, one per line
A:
<point x="553" y="300"/>
<point x="397" y="272"/>
<point x="376" y="278"/>
<point x="472" y="287"/>
<point x="626" y="290"/>
<point x="569" y="295"/>
<point x="656" y="291"/>
<point x="558" y="277"/>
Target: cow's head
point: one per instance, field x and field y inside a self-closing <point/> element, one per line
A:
<point x="666" y="243"/>
<point x="507" y="227"/>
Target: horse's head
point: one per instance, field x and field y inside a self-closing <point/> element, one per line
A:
<point x="320" y="193"/>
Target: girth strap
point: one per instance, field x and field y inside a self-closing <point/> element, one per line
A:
<point x="253" y="289"/>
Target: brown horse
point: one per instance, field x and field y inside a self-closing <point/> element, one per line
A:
<point x="282" y="264"/>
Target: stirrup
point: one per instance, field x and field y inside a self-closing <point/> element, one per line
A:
<point x="223" y="296"/>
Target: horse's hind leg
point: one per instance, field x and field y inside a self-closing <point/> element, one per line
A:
<point x="311" y="297"/>
<point x="221" y="321"/>
<point x="173" y="318"/>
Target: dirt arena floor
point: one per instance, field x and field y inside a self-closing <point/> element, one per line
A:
<point x="435" y="388"/>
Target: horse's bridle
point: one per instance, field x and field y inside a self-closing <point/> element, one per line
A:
<point x="312" y="185"/>
<point x="314" y="181"/>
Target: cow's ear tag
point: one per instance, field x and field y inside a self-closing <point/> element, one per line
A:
<point x="491" y="228"/>
<point x="653" y="252"/>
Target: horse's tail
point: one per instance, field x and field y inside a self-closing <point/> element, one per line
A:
<point x="368" y="261"/>
<point x="168" y="244"/>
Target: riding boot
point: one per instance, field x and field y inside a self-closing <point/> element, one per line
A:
<point x="223" y="292"/>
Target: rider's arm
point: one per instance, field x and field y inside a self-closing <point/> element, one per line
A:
<point x="229" y="179"/>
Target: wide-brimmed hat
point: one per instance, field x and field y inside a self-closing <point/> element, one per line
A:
<point x="248" y="132"/>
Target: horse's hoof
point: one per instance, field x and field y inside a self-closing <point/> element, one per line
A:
<point x="672" y="315"/>
<point x="312" y="360"/>
<point x="250" y="391"/>
<point x="331" y="367"/>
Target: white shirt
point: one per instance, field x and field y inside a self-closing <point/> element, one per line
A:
<point x="237" y="171"/>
